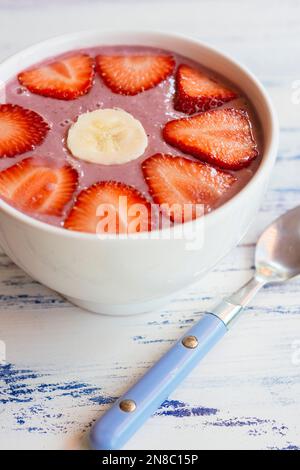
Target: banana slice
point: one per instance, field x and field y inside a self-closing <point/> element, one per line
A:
<point x="107" y="137"/>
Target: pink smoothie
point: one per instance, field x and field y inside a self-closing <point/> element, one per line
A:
<point x="153" y="108"/>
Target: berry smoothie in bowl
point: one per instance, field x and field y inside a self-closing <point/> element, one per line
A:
<point x="130" y="163"/>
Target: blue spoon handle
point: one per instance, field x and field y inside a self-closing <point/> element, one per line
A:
<point x="130" y="411"/>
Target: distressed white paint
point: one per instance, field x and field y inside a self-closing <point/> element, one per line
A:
<point x="253" y="376"/>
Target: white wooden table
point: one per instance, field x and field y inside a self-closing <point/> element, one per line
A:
<point x="64" y="365"/>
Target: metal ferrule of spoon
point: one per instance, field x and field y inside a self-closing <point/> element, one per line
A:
<point x="277" y="259"/>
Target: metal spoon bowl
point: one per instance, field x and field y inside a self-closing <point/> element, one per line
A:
<point x="277" y="256"/>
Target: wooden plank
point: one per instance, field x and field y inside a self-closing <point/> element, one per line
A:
<point x="64" y="366"/>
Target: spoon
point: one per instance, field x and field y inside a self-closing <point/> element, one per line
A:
<point x="277" y="259"/>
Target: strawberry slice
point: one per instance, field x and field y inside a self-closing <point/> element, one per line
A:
<point x="132" y="74"/>
<point x="33" y="186"/>
<point x="21" y="130"/>
<point x="65" y="79"/>
<point x="196" y="91"/>
<point x="222" y="137"/>
<point x="184" y="189"/>
<point x="110" y="207"/>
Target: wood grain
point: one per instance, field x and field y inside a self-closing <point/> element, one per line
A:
<point x="63" y="369"/>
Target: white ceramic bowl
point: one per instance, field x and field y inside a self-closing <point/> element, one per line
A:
<point x="125" y="276"/>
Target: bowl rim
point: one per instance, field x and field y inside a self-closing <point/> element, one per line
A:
<point x="269" y="153"/>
